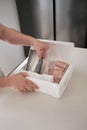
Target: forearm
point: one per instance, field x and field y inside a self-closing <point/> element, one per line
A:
<point x="4" y="82"/>
<point x="14" y="37"/>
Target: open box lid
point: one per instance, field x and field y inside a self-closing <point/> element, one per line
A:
<point x="60" y="50"/>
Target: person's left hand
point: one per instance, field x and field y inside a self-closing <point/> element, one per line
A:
<point x="41" y="49"/>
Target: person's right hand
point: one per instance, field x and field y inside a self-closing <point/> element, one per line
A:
<point x="41" y="48"/>
<point x="20" y="82"/>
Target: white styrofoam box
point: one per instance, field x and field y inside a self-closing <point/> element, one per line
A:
<point x="58" y="51"/>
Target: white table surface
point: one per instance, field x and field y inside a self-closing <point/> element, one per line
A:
<point x="37" y="111"/>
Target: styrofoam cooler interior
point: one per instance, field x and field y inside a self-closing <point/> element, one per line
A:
<point x="58" y="51"/>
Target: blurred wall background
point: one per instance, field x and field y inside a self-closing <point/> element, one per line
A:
<point x="10" y="55"/>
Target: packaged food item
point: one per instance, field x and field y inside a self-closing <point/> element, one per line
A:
<point x="57" y="70"/>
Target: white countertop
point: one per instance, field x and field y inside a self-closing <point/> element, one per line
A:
<point x="37" y="111"/>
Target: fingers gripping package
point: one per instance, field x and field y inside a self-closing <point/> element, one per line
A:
<point x="52" y="73"/>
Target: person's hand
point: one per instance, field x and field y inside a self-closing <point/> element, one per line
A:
<point x="20" y="82"/>
<point x="41" y="49"/>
